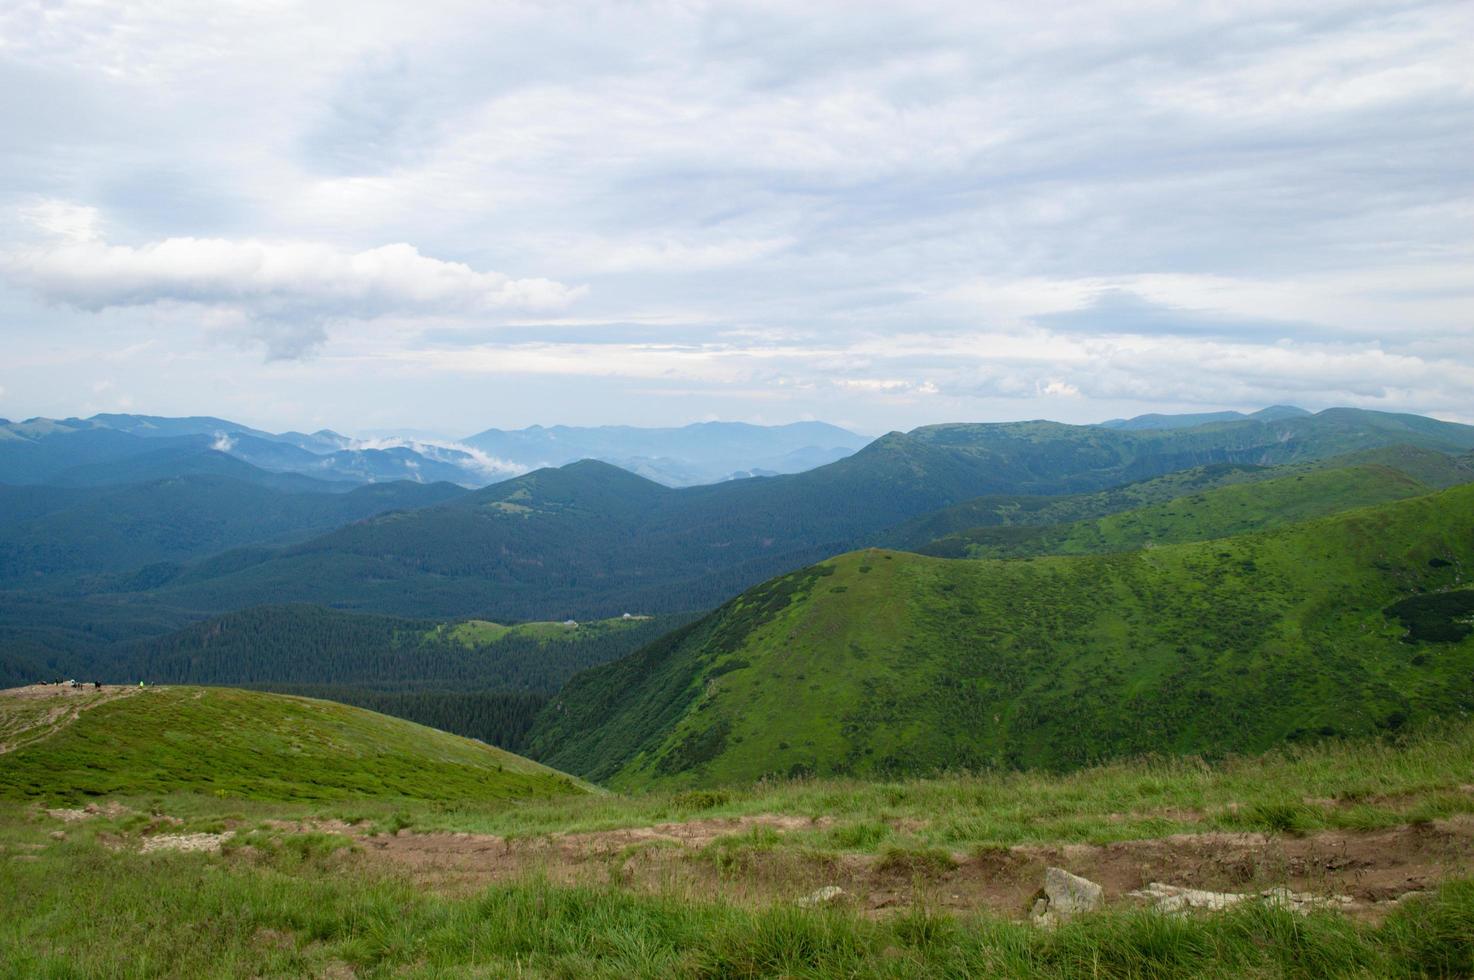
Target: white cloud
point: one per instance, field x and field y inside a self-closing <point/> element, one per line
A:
<point x="62" y="219"/>
<point x="271" y="276"/>
<point x="489" y="467"/>
<point x="902" y="210"/>
<point x="285" y="290"/>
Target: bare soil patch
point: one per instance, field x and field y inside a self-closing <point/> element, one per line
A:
<point x="1374" y="868"/>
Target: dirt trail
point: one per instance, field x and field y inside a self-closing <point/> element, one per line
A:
<point x="1374" y="868"/>
<point x="38" y="711"/>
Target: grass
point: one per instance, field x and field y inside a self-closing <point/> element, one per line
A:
<point x="277" y="901"/>
<point x="249" y="745"/>
<point x="1353" y="784"/>
<point x="877" y="663"/>
<point x="78" y="910"/>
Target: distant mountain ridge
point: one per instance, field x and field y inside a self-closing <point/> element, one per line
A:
<point x="1156" y="421"/>
<point x="703" y="452"/>
<point x="88" y="450"/>
<point x="590" y="539"/>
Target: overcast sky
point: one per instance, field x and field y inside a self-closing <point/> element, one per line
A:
<point x="453" y="216"/>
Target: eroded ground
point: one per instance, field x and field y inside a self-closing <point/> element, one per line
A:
<point x="750" y="859"/>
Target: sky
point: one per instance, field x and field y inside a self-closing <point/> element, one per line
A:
<point x="451" y="216"/>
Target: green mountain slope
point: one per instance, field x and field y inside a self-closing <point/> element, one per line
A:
<point x="1216" y="513"/>
<point x="244" y="744"/>
<point x="1429" y="467"/>
<point x="879" y="662"/>
<point x="592" y="540"/>
<point x="1051" y="457"/>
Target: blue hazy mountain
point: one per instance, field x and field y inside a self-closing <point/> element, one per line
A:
<point x="705" y="452"/>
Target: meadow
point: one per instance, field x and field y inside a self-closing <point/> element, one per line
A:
<point x="305" y="882"/>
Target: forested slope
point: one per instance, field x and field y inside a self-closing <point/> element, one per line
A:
<point x="592" y="540"/>
<point x="881" y="662"/>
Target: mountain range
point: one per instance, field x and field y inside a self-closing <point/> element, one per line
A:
<point x="590" y="539"/>
<point x="126" y="448"/>
<point x="940" y="597"/>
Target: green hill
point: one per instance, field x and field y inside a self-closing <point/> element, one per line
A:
<point x="878" y="662"/>
<point x="1216" y="513"/>
<point x="1434" y="469"/>
<point x="243" y="744"/>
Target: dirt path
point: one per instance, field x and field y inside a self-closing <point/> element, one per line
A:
<point x="1373" y="868"/>
<point x="30" y="714"/>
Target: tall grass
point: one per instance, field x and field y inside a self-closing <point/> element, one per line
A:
<point x="1350" y="784"/>
<point x="78" y="910"/>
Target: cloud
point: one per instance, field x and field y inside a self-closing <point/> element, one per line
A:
<point x="223" y="443"/>
<point x="62" y="219"/>
<point x="487" y="466"/>
<point x="287" y="290"/>
<point x="1121" y="311"/>
<point x="885" y="213"/>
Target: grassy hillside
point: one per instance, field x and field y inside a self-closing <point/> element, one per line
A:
<point x="937" y="876"/>
<point x="248" y="745"/>
<point x="879" y="662"/>
<point x="1214" y="513"/>
<point x="1429" y="467"/>
<point x="1084" y="458"/>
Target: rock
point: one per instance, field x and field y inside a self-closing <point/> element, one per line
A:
<point x="58" y="835"/>
<point x="827" y="895"/>
<point x="1070" y="894"/>
<point x="186" y="842"/>
<point x="1064" y="895"/>
<point x="1176" y="899"/>
<point x="1304" y="902"/>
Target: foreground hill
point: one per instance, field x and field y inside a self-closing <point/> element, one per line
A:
<point x="879" y="662"/>
<point x="590" y="539"/>
<point x="66" y="744"/>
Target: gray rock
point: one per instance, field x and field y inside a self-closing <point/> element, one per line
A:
<point x="827" y="895"/>
<point x="1177" y="899"/>
<point x="1070" y="894"/>
<point x="1064" y="895"/>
